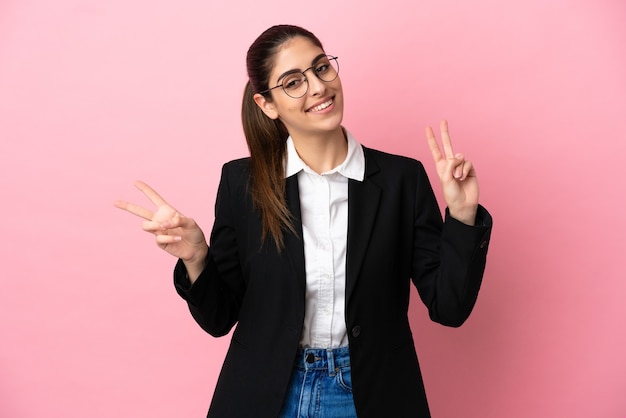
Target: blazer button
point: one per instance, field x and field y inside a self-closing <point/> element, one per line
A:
<point x="483" y="244"/>
<point x="356" y="331"/>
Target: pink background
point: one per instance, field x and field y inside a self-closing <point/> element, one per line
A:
<point x="96" y="94"/>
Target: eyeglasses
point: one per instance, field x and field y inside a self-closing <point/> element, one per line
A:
<point x="295" y="83"/>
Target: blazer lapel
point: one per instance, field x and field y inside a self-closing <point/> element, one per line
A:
<point x="294" y="246"/>
<point x="363" y="200"/>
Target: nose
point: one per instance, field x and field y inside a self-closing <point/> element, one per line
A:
<point x="316" y="86"/>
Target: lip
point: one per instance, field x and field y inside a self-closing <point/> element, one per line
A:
<point x="322" y="101"/>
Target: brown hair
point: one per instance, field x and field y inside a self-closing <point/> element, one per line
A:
<point x="267" y="137"/>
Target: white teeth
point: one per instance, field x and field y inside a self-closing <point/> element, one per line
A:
<point x="322" y="106"/>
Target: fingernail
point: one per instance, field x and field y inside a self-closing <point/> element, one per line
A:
<point x="166" y="224"/>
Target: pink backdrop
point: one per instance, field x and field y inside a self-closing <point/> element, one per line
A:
<point x="94" y="95"/>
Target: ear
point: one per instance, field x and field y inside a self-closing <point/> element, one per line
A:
<point x="266" y="106"/>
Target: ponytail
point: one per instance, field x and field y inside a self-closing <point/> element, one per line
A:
<point x="267" y="137"/>
<point x="266" y="140"/>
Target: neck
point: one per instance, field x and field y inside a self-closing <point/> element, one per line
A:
<point x="322" y="152"/>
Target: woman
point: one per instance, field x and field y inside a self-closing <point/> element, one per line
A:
<point x="315" y="241"/>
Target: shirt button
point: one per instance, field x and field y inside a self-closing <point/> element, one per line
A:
<point x="356" y="331"/>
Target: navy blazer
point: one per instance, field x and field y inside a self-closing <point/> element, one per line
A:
<point x="395" y="235"/>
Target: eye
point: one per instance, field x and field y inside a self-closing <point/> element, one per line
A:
<point x="322" y="68"/>
<point x="293" y="81"/>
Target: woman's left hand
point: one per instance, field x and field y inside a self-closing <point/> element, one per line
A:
<point x="457" y="176"/>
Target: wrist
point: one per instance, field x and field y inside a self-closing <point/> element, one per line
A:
<point x="196" y="263"/>
<point x="466" y="215"/>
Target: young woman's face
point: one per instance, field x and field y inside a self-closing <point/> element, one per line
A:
<point x="320" y="110"/>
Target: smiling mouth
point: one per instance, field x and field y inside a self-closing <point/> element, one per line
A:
<point x="322" y="106"/>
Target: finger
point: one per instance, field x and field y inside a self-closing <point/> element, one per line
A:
<point x="134" y="209"/>
<point x="454" y="169"/>
<point x="433" y="145"/>
<point x="150" y="193"/>
<point x="458" y="169"/>
<point x="173" y="222"/>
<point x="154" y="227"/>
<point x="468" y="170"/>
<point x="167" y="239"/>
<point x="445" y="139"/>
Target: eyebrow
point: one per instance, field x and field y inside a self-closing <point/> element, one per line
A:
<point x="297" y="70"/>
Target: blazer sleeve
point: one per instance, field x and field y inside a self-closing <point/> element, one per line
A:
<point x="449" y="259"/>
<point x="215" y="297"/>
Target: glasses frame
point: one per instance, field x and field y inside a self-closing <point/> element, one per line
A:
<point x="330" y="58"/>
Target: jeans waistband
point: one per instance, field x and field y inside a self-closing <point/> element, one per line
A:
<point x="323" y="358"/>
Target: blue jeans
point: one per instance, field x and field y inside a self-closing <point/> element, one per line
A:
<point x="321" y="385"/>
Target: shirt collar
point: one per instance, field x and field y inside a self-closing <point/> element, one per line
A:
<point x="353" y="167"/>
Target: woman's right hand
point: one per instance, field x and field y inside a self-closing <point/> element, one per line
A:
<point x="174" y="232"/>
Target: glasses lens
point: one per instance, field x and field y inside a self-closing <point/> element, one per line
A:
<point x="295" y="85"/>
<point x="327" y="68"/>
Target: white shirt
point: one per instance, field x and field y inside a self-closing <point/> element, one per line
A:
<point x="324" y="211"/>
